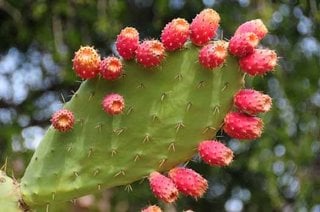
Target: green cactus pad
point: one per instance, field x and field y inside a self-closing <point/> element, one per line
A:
<point x="9" y="194"/>
<point x="169" y="110"/>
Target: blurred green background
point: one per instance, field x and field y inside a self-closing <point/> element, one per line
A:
<point x="279" y="172"/>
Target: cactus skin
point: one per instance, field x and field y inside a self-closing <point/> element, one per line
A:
<point x="242" y="126"/>
<point x="215" y="153"/>
<point x="163" y="187"/>
<point x="169" y="110"/>
<point x="10" y="196"/>
<point x="188" y="182"/>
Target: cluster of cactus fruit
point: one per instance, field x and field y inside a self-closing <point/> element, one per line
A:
<point x="145" y="114"/>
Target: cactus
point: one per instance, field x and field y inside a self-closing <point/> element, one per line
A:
<point x="149" y="119"/>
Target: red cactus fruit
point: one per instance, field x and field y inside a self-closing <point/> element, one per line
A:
<point x="252" y="102"/>
<point x="188" y="181"/>
<point x="204" y="27"/>
<point x="256" y="26"/>
<point x="113" y="104"/>
<point x="163" y="187"/>
<point x="175" y="34"/>
<point x="213" y="55"/>
<point x="215" y="153"/>
<point x="86" y="62"/>
<point x="259" y="62"/>
<point x="127" y="42"/>
<point x="150" y="53"/>
<point x="243" y="44"/>
<point x="152" y="208"/>
<point x="241" y="126"/>
<point x="110" y="68"/>
<point x="62" y="120"/>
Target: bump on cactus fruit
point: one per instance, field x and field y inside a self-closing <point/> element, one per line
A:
<point x="243" y="44"/>
<point x="127" y="42"/>
<point x="152" y="208"/>
<point x="62" y="120"/>
<point x="242" y="126"/>
<point x="175" y="34"/>
<point x="213" y="55"/>
<point x="215" y="153"/>
<point x="189" y="182"/>
<point x="204" y="26"/>
<point x="86" y="62"/>
<point x="150" y="53"/>
<point x="113" y="104"/>
<point x="256" y="26"/>
<point x="110" y="68"/>
<point x="163" y="187"/>
<point x="259" y="62"/>
<point x="252" y="102"/>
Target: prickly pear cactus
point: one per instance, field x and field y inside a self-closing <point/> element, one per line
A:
<point x="147" y="113"/>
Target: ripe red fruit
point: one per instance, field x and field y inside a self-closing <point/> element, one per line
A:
<point x="152" y="208"/>
<point x="110" y="68"/>
<point x="113" y="104"/>
<point x="213" y="55"/>
<point x="204" y="26"/>
<point x="62" y="120"/>
<point x="243" y="44"/>
<point x="256" y="26"/>
<point x="150" y="53"/>
<point x="127" y="42"/>
<point x="86" y="62"/>
<point x="188" y="181"/>
<point x="215" y="153"/>
<point x="163" y="187"/>
<point x="259" y="62"/>
<point x="252" y="102"/>
<point x="175" y="34"/>
<point x="241" y="126"/>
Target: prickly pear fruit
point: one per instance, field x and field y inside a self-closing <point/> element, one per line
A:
<point x="243" y="44"/>
<point x="150" y="53"/>
<point x="215" y="153"/>
<point x="259" y="62"/>
<point x="110" y="68"/>
<point x="175" y="34"/>
<point x="204" y="26"/>
<point x="62" y="120"/>
<point x="127" y="42"/>
<point x="113" y="104"/>
<point x="86" y="62"/>
<point x="188" y="181"/>
<point x="256" y="26"/>
<point x="242" y="126"/>
<point x="213" y="55"/>
<point x="252" y="102"/>
<point x="163" y="187"/>
<point x="152" y="208"/>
